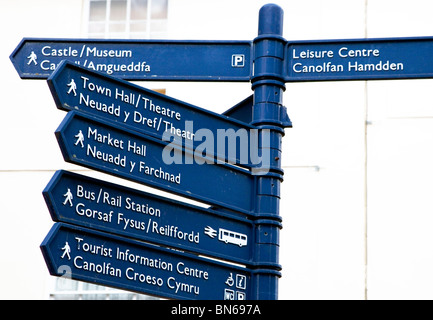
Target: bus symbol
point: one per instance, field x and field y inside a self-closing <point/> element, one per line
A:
<point x="235" y="238"/>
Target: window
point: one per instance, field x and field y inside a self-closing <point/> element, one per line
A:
<point x="123" y="19"/>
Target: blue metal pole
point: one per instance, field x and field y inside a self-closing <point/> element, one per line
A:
<point x="270" y="116"/>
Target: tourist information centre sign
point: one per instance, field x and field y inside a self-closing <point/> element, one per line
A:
<point x="106" y="259"/>
<point x="112" y="235"/>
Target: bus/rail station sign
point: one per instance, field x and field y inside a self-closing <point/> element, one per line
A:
<point x="87" y="202"/>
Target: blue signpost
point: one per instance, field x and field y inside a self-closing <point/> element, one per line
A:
<point x="86" y="202"/>
<point x="119" y="128"/>
<point x="138" y="59"/>
<point x="112" y="235"/>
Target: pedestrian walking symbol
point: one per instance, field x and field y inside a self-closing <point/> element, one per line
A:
<point x="80" y="139"/>
<point x="68" y="198"/>
<point x="32" y="58"/>
<point x="72" y="87"/>
<point x="66" y="251"/>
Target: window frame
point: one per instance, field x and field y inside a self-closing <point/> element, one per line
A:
<point x="149" y="33"/>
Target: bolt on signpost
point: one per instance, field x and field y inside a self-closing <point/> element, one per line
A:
<point x="127" y="131"/>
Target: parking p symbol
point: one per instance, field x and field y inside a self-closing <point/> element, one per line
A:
<point x="238" y="61"/>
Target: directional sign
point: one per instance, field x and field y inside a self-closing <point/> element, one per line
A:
<point x="154" y="114"/>
<point x="109" y="260"/>
<point x="87" y="202"/>
<point x="324" y="60"/>
<point x="102" y="146"/>
<point x="138" y="60"/>
<point x="363" y="59"/>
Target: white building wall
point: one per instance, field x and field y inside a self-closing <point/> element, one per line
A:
<point x="27" y="146"/>
<point x="356" y="200"/>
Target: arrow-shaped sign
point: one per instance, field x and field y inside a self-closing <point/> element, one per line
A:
<point x="99" y="205"/>
<point x="138" y="59"/>
<point x="103" y="146"/>
<point x="321" y="60"/>
<point x="157" y="115"/>
<point x="113" y="261"/>
<point x="359" y="59"/>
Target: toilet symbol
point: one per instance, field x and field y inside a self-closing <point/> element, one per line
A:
<point x="229" y="294"/>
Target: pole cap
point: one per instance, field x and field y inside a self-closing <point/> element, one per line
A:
<point x="271" y="20"/>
